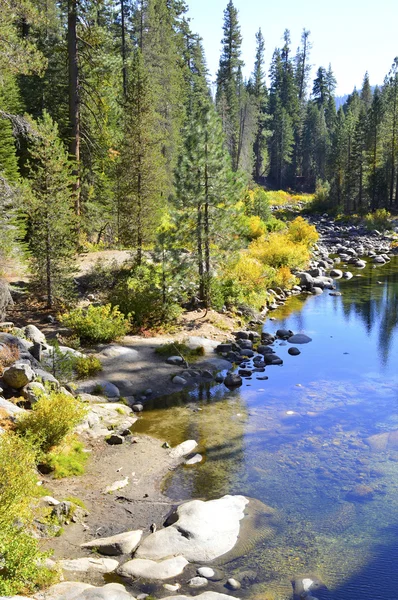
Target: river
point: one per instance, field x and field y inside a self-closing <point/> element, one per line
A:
<point x="299" y="443"/>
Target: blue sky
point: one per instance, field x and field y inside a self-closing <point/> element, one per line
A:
<point x="353" y="35"/>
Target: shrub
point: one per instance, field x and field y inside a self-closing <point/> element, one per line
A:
<point x="144" y="296"/>
<point x="19" y="552"/>
<point x="257" y="203"/>
<point x="52" y="418"/>
<point x="301" y="232"/>
<point x="380" y="219"/>
<point x="86" y="366"/>
<point x="278" y="250"/>
<point x="97" y="323"/>
<point x="8" y="355"/>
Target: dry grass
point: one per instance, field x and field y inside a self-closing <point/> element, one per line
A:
<point x="8" y="355"/>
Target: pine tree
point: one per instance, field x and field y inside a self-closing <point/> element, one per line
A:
<point x="229" y="72"/>
<point x="142" y="169"/>
<point x="366" y="92"/>
<point x="52" y="239"/>
<point x="376" y="178"/>
<point x="258" y="90"/>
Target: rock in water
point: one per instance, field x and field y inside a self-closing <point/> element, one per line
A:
<point x="150" y="569"/>
<point x="183" y="449"/>
<point x="299" y="338"/>
<point x="232" y="380"/>
<point x="202" y="532"/>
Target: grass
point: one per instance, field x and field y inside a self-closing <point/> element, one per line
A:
<point x="69" y="461"/>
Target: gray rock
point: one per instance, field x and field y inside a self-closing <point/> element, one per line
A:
<point x="34" y="334"/>
<point x="336" y="273"/>
<point x="198" y="582"/>
<point x="233" y="584"/>
<point x="272" y="359"/>
<point x="71" y="590"/>
<point x="119" y="353"/>
<point x="177" y="380"/>
<point x="202" y="532"/>
<point x="245" y="372"/>
<point x="317" y="291"/>
<point x="284" y="334"/>
<point x="379" y="260"/>
<point x="219" y="378"/>
<point x="175" y="360"/>
<point x="245" y="344"/>
<point x="183" y="449"/>
<point x="11" y="409"/>
<point x="241" y="335"/>
<point x="107" y="389"/>
<point x="87" y="564"/>
<point x="308" y="587"/>
<point x="232" y="380"/>
<point x="306" y="281"/>
<point x="33" y="391"/>
<point x="267" y="338"/>
<point x="149" y="569"/>
<point x="347" y="275"/>
<point x="248" y="353"/>
<point x="360" y="264"/>
<point x="224" y="348"/>
<point x="262" y="349"/>
<point x="137" y="408"/>
<point x="122" y="543"/>
<point x="18" y="375"/>
<point x="294" y="351"/>
<point x="299" y="338"/>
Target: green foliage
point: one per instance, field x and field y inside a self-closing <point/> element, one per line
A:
<point x="144" y="296"/>
<point x="86" y="366"/>
<point x="50" y="212"/>
<point x="53" y="417"/>
<point x="182" y="349"/>
<point x="68" y="461"/>
<point x="301" y="232"/>
<point x="380" y="220"/>
<point x="20" y="554"/>
<point x="97" y="323"/>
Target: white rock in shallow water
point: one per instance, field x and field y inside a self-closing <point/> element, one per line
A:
<point x="149" y="569"/>
<point x="198" y="582"/>
<point x="195" y="459"/>
<point x="233" y="584"/>
<point x="203" y="531"/>
<point x="122" y="543"/>
<point x="203" y="596"/>
<point x="183" y="449"/>
<point x="86" y="564"/>
<point x="206" y="572"/>
<point x="171" y="587"/>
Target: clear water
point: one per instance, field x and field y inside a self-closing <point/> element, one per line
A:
<point x="299" y="443"/>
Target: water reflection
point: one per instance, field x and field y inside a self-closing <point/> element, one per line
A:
<point x="299" y="442"/>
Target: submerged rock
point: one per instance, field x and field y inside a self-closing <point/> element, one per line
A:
<point x="299" y="338"/>
<point x="183" y="449"/>
<point x="232" y="380"/>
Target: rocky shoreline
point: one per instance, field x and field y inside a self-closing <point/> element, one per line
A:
<point x="131" y="534"/>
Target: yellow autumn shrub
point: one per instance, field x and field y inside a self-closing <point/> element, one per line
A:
<point x="301" y="232"/>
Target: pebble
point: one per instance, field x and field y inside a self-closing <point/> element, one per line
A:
<point x="233" y="584"/>
<point x="205" y="572"/>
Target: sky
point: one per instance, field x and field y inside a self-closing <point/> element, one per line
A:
<point x="355" y="36"/>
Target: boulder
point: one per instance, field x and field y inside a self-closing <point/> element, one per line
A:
<point x="347" y="275"/>
<point x="294" y="351"/>
<point x="336" y="273"/>
<point x="306" y="280"/>
<point x="299" y="338"/>
<point x="175" y="360"/>
<point x="33" y="391"/>
<point x="34" y="334"/>
<point x="224" y="348"/>
<point x="114" y="439"/>
<point x="11" y="409"/>
<point x="100" y="387"/>
<point x="197" y="458"/>
<point x="73" y="590"/>
<point x="267" y="338"/>
<point x="150" y="569"/>
<point x="122" y="543"/>
<point x="18" y="375"/>
<point x="177" y="380"/>
<point x="245" y="344"/>
<point x="232" y="380"/>
<point x="120" y="353"/>
<point x="284" y="334"/>
<point x="183" y="449"/>
<point x="198" y="582"/>
<point x="201" y="532"/>
<point x="206" y="572"/>
<point x="87" y="564"/>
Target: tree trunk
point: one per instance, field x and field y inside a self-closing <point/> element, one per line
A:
<point x="124" y="68"/>
<point x="199" y="242"/>
<point x="49" y="283"/>
<point x="74" y="98"/>
<point x="207" y="229"/>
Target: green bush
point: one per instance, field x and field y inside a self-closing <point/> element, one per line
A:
<point x="145" y="297"/>
<point x="53" y="417"/>
<point x="380" y="219"/>
<point x="19" y="552"/>
<point x="97" y="323"/>
<point x="86" y="366"/>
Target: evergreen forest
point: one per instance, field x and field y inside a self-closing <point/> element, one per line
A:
<point x="110" y="137"/>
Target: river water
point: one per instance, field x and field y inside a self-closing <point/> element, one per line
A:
<point x="298" y="442"/>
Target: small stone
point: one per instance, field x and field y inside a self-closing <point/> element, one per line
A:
<point x="114" y="439"/>
<point x="183" y="449"/>
<point x="233" y="584"/>
<point x="175" y="360"/>
<point x="137" y="408"/>
<point x="171" y="587"/>
<point x="219" y="378"/>
<point x="294" y="351"/>
<point x="197" y="582"/>
<point x="232" y="380"/>
<point x="197" y="458"/>
<point x="177" y="380"/>
<point x="206" y="572"/>
<point x="166" y="445"/>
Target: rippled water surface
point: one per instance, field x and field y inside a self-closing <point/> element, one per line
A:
<point x="316" y="442"/>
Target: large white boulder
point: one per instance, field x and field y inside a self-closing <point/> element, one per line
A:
<point x="76" y="590"/>
<point x="87" y="564"/>
<point x="183" y="449"/>
<point x="203" y="531"/>
<point x="150" y="569"/>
